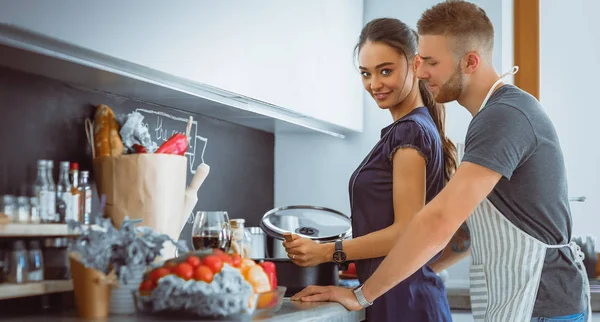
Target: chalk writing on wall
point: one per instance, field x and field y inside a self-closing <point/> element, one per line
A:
<point x="162" y="126"/>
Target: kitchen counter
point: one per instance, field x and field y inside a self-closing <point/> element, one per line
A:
<point x="289" y="312"/>
<point x="458" y="296"/>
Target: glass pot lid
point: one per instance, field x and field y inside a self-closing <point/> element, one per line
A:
<point x="317" y="223"/>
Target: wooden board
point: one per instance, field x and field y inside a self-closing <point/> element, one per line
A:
<point x="11" y="291"/>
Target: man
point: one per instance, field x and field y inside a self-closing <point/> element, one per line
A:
<point x="511" y="188"/>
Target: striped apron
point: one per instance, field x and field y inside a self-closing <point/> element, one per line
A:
<point x="506" y="264"/>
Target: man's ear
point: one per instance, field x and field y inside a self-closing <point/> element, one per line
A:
<point x="471" y="62"/>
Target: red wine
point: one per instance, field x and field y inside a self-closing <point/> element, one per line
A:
<point x="211" y="241"/>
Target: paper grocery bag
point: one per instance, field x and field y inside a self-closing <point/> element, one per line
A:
<point x="150" y="187"/>
<point x="92" y="289"/>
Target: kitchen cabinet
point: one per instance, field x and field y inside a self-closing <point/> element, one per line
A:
<point x="296" y="56"/>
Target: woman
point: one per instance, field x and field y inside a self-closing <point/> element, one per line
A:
<point x="406" y="169"/>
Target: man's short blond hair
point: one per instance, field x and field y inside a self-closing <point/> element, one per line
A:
<point x="464" y="22"/>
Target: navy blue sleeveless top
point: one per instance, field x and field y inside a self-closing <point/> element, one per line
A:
<point x="421" y="297"/>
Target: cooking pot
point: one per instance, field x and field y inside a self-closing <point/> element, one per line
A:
<point x="296" y="278"/>
<point x="320" y="224"/>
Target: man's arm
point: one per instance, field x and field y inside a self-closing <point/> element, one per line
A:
<point x="432" y="228"/>
<point x="458" y="248"/>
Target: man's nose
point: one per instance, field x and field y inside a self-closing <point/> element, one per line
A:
<point x="422" y="73"/>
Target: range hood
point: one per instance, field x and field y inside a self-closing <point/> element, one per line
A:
<point x="38" y="54"/>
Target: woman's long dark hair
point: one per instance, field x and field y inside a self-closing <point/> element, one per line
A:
<point x="401" y="37"/>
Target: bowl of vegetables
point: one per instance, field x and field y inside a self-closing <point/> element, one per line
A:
<point x="209" y="284"/>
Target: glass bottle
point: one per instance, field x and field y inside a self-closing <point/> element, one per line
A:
<point x="17" y="263"/>
<point x="63" y="193"/>
<point x="52" y="216"/>
<point x="34" y="210"/>
<point x="23" y="210"/>
<point x="86" y="195"/>
<point x="40" y="188"/>
<point x="36" y="262"/>
<point x="75" y="193"/>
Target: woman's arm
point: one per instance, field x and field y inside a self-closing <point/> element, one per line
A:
<point x="409" y="197"/>
<point x="458" y="248"/>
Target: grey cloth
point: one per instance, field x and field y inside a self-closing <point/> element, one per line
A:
<point x="513" y="136"/>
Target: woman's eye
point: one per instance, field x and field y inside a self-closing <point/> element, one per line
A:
<point x="386" y="71"/>
<point x="365" y="74"/>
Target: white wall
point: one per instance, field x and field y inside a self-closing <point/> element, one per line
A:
<point x="314" y="169"/>
<point x="569" y="69"/>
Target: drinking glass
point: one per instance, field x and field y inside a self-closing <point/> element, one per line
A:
<point x="211" y="230"/>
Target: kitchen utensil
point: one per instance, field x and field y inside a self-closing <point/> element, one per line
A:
<point x="211" y="229"/>
<point x="258" y="242"/>
<point x="316" y="223"/>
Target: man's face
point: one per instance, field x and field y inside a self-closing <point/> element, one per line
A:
<point x="439" y="68"/>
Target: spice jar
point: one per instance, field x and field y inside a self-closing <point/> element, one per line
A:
<point x="9" y="206"/>
<point x="241" y="240"/>
<point x="34" y="211"/>
<point x="23" y="210"/>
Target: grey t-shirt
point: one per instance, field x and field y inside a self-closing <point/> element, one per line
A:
<point x="514" y="137"/>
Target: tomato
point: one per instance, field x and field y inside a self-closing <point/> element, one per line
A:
<point x="147" y="286"/>
<point x="218" y="252"/>
<point x="225" y="258"/>
<point x="194" y="261"/>
<point x="158" y="273"/>
<point x="203" y="273"/>
<point x="236" y="260"/>
<point x="213" y="262"/>
<point x="170" y="266"/>
<point x="185" y="271"/>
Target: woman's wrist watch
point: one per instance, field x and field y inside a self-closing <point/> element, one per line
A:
<point x="360" y="297"/>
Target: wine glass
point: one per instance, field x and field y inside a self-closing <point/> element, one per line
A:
<point x="211" y="230"/>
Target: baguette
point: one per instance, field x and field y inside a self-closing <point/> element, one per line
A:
<point x="107" y="141"/>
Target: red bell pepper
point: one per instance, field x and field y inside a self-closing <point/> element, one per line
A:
<point x="269" y="268"/>
<point x="177" y="144"/>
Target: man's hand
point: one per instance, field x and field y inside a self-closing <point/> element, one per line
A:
<point x="341" y="295"/>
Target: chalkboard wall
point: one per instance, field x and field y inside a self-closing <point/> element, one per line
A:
<point x="44" y="119"/>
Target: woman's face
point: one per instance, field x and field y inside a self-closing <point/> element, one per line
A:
<point x="384" y="74"/>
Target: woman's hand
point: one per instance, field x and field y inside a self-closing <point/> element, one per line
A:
<point x="341" y="295"/>
<point x="305" y="252"/>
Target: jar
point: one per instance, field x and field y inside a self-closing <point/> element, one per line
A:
<point x="36" y="262"/>
<point x="23" y="210"/>
<point x="34" y="211"/>
<point x="241" y="240"/>
<point x="9" y="206"/>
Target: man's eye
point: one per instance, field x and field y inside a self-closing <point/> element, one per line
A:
<point x="432" y="63"/>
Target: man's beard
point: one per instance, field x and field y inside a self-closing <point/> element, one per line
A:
<point x="452" y="89"/>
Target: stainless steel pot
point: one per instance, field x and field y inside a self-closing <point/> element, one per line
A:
<point x="296" y="278"/>
<point x="320" y="224"/>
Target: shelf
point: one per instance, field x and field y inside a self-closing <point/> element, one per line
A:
<point x="37" y="230"/>
<point x="11" y="291"/>
<point x="34" y="53"/>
